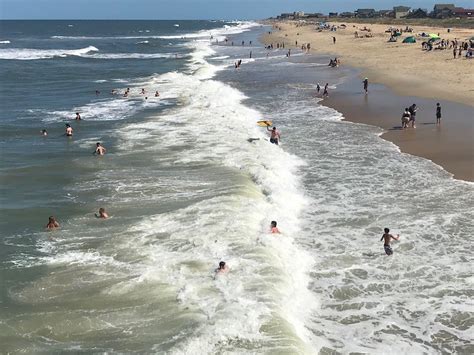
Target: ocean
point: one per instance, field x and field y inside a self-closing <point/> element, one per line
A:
<point x="185" y="189"/>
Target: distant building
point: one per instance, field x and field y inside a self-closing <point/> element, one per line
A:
<point x="298" y="14"/>
<point x="443" y="10"/>
<point x="418" y="13"/>
<point x="315" y="15"/>
<point x="463" y="13"/>
<point x="384" y="13"/>
<point x="285" y="16"/>
<point x="347" y="14"/>
<point x="365" y="13"/>
<point x="400" y="11"/>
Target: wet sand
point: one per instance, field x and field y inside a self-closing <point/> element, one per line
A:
<point x="450" y="144"/>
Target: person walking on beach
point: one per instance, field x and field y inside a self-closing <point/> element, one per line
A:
<point x="438" y="113"/>
<point x="274" y="135"/>
<point x="413" y="110"/>
<point x="405" y="118"/>
<point x="52" y="223"/>
<point x="454" y="52"/>
<point x="99" y="149"/>
<point x="78" y="116"/>
<point x="366" y="85"/>
<point x="387" y="238"/>
<point x="68" y="130"/>
<point x="333" y="40"/>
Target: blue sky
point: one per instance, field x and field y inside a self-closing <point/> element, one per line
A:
<point x="188" y="9"/>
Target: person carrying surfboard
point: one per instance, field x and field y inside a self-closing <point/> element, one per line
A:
<point x="274" y="135"/>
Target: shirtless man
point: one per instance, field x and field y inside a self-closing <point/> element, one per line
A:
<point x="222" y="269"/>
<point x="387" y="238"/>
<point x="52" y="223"/>
<point x="102" y="214"/>
<point x="99" y="149"/>
<point x="274" y="135"/>
<point x="273" y="228"/>
<point x="68" y="130"/>
<point x="78" y="116"/>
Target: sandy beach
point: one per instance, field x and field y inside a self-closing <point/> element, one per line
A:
<point x="409" y="75"/>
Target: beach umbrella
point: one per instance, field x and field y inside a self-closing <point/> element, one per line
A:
<point x="410" y="39"/>
<point x="433" y="35"/>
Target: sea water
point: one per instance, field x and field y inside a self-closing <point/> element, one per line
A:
<point x="185" y="190"/>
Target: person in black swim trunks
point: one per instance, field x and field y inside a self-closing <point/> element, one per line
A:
<point x="387" y="238"/>
<point x="274" y="135"/>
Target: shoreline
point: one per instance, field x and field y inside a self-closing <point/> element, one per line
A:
<point x="448" y="145"/>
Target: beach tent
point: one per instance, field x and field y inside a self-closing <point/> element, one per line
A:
<point x="410" y="39"/>
<point x="396" y="34"/>
<point x="433" y="35"/>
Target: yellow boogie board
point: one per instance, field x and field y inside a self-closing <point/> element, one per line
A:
<point x="264" y="123"/>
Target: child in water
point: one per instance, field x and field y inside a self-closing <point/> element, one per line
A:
<point x="273" y="228"/>
<point x="222" y="269"/>
<point x="102" y="214"/>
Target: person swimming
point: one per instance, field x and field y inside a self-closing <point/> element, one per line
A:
<point x="157" y="94"/>
<point x="78" y="116"/>
<point x="102" y="214"/>
<point x="52" y="223"/>
<point x="44" y="132"/>
<point x="273" y="228"/>
<point x="99" y="149"/>
<point x="222" y="269"/>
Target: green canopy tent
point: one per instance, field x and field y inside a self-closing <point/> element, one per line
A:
<point x="433" y="35"/>
<point x="410" y="39"/>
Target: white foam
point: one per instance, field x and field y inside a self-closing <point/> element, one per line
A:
<point x="5" y="42"/>
<point x="32" y="54"/>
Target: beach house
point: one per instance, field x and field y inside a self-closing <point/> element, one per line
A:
<point x="400" y="11"/>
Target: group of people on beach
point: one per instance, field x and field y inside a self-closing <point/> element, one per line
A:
<point x="409" y="116"/>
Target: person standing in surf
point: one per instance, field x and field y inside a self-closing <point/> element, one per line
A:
<point x="325" y="92"/>
<point x="274" y="135"/>
<point x="366" y="85"/>
<point x="438" y="113"/>
<point x="68" y="130"/>
<point x="387" y="238"/>
<point x="78" y="116"/>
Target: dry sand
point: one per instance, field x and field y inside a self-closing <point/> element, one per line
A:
<point x="411" y="73"/>
<point x="405" y="68"/>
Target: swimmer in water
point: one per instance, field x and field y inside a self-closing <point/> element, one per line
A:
<point x="222" y="269"/>
<point x="52" y="223"/>
<point x="68" y="130"/>
<point x="99" y="149"/>
<point x="78" y="116"/>
<point x="387" y="238"/>
<point x="102" y="214"/>
<point x="274" y="135"/>
<point x="44" y="132"/>
<point x="157" y="94"/>
<point x="273" y="228"/>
